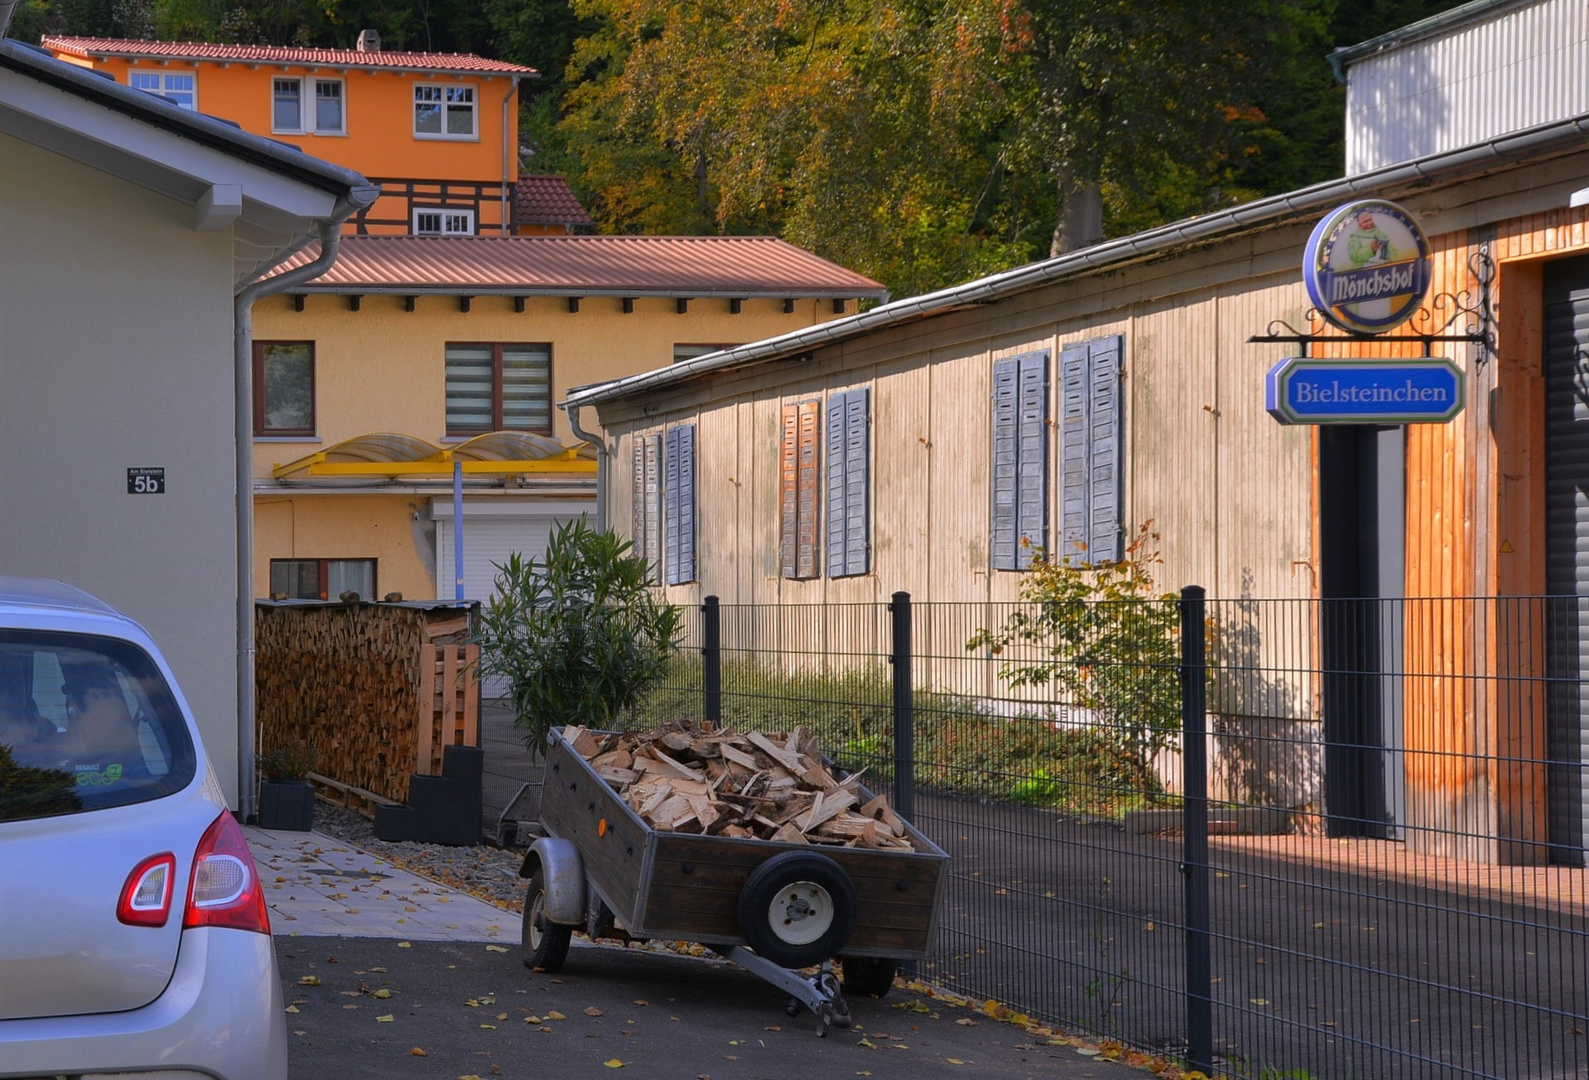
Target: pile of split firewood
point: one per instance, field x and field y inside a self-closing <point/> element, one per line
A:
<point x="685" y="778"/>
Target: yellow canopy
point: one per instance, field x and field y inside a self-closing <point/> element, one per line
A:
<point x="497" y="453"/>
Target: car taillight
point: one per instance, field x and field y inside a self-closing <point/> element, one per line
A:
<point x="226" y="890"/>
<point x="146" y="897"/>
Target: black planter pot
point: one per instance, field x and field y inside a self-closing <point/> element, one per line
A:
<point x="287" y="805"/>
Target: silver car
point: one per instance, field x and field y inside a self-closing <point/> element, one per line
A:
<point x="133" y="928"/>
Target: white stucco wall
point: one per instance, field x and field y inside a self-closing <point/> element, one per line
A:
<point x="116" y="352"/>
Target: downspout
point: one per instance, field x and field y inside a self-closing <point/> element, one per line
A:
<point x="507" y="154"/>
<point x="7" y="9"/>
<point x="601" y="462"/>
<point x="243" y="366"/>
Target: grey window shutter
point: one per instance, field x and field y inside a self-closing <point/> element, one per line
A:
<point x="788" y="501"/>
<point x="653" y="497"/>
<point x="1103" y="451"/>
<point x="848" y="483"/>
<point x="1005" y="464"/>
<point x="836" y="490"/>
<point x="637" y="531"/>
<point x="1073" y="439"/>
<point x="857" y="482"/>
<point x="1031" y="519"/>
<point x="685" y="500"/>
<point x="670" y="502"/>
<point x="807" y="564"/>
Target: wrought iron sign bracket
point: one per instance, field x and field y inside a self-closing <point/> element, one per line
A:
<point x="1438" y="321"/>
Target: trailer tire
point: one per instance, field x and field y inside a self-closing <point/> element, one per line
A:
<point x="868" y="976"/>
<point x="797" y="908"/>
<point x="545" y="942"/>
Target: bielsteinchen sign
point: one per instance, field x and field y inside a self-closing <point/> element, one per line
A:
<point x="1367" y="266"/>
<point x="1303" y="391"/>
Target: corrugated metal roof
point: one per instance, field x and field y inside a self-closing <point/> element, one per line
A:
<point x="547" y="200"/>
<point x="98" y="48"/>
<point x="681" y="266"/>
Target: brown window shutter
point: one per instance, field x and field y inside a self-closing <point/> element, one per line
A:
<point x="806" y="498"/>
<point x="787" y="470"/>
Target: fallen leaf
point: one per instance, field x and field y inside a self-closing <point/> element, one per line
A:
<point x="591" y="1010"/>
<point x="405" y="945"/>
<point x="966" y="1021"/>
<point x="1087" y="1051"/>
<point x="417" y="1052"/>
<point x="387" y="1019"/>
<point x="292" y="1008"/>
<point x="383" y="993"/>
<point x="638" y="1001"/>
<point x="488" y="1027"/>
<point x="1259" y="1001"/>
<point x="613" y="1063"/>
<point x="772" y="1027"/>
<point x="502" y="1016"/>
<point x="1148" y="928"/>
<point x="496" y="948"/>
<point x="380" y="969"/>
<point x="954" y="1061"/>
<point x="554" y="1015"/>
<point x="309" y="980"/>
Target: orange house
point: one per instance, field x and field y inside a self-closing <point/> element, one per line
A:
<point x="437" y="131"/>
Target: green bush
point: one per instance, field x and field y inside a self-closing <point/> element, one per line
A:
<point x="579" y="635"/>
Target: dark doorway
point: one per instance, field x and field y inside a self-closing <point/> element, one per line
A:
<point x="1567" y="554"/>
<point x="1362" y="527"/>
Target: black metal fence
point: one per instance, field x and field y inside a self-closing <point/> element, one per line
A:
<point x="1283" y="839"/>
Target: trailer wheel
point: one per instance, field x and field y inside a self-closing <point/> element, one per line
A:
<point x="868" y="976"/>
<point x="797" y="908"/>
<point x="545" y="942"/>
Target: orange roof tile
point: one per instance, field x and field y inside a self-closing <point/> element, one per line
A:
<point x="679" y="266"/>
<point x="547" y="200"/>
<point x="98" y="48"/>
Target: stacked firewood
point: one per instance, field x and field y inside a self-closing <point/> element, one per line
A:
<point x="687" y="778"/>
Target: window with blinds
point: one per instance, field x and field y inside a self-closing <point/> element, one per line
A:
<point x="498" y="388"/>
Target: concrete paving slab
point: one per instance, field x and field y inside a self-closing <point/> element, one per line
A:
<point x="316" y="885"/>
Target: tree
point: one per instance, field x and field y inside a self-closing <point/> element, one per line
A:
<point x="578" y="634"/>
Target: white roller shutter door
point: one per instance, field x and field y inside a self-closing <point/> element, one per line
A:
<point x="492" y="529"/>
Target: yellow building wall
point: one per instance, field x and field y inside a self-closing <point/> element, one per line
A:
<point x="380" y="139"/>
<point x="382" y="368"/>
<point x="316" y="526"/>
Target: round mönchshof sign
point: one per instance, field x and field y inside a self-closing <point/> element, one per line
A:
<point x="1367" y="266"/>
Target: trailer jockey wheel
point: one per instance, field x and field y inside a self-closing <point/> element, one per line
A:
<point x="797" y="908"/>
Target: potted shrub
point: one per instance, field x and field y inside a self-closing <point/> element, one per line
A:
<point x="286" y="798"/>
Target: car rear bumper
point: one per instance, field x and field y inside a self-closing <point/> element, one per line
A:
<point x="221" y="1015"/>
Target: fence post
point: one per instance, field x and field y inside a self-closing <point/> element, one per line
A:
<point x="1194" y="829"/>
<point x="904" y="710"/>
<point x="712" y="660"/>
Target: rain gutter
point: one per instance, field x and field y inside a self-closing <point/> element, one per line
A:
<point x="1497" y="151"/>
<point x="601" y="463"/>
<point x="355" y="200"/>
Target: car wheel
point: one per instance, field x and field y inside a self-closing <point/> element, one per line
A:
<point x="797" y="908"/>
<point x="868" y="976"/>
<point x="545" y="942"/>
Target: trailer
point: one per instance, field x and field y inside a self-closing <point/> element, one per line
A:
<point x="772" y="907"/>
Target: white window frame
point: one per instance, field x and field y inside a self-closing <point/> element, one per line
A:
<point x="308" y="110"/>
<point x="444" y="212"/>
<point x="162" y="75"/>
<point x="443" y="135"/>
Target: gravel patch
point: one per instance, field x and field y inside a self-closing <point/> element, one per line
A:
<point x="490" y="873"/>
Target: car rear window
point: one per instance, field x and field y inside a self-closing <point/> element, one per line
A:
<point x="86" y="723"/>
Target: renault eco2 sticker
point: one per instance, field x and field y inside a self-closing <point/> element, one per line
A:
<point x="1367" y="266"/>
